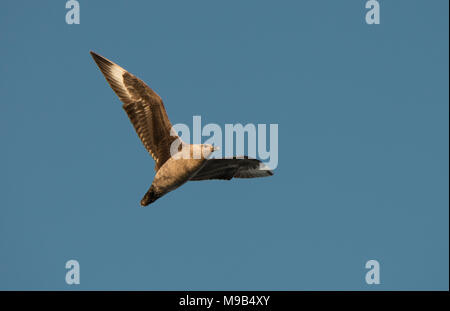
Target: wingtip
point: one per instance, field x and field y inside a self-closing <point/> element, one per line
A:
<point x="264" y="167"/>
<point x="96" y="56"/>
<point x="103" y="63"/>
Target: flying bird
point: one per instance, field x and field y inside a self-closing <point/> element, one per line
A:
<point x="146" y="112"/>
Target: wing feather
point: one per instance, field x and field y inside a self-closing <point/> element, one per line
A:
<point x="235" y="167"/>
<point x="144" y="108"/>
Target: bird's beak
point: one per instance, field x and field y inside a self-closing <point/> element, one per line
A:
<point x="215" y="148"/>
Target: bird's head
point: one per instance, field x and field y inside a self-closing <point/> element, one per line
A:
<point x="208" y="149"/>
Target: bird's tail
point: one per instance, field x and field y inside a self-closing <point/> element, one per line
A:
<point x="150" y="197"/>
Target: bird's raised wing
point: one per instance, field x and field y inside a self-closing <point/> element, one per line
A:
<point x="144" y="108"/>
<point x="237" y="167"/>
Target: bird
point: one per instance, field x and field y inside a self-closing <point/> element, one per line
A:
<point x="176" y="162"/>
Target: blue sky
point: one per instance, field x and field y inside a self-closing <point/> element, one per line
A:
<point x="363" y="146"/>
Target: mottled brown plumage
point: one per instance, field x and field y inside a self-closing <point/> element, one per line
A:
<point x="144" y="108"/>
<point x="146" y="112"/>
<point x="233" y="167"/>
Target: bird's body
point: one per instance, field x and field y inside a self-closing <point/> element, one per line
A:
<point x="174" y="173"/>
<point x="175" y="162"/>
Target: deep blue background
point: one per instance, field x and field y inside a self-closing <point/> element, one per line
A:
<point x="363" y="145"/>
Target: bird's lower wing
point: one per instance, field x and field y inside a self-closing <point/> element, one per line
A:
<point x="228" y="168"/>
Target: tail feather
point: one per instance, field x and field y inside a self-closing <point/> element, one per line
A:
<point x="150" y="197"/>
